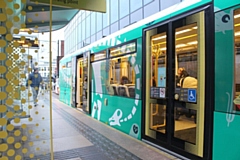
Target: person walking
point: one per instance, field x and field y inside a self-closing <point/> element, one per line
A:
<point x="35" y="79"/>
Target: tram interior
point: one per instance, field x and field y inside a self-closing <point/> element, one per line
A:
<point x="79" y="83"/>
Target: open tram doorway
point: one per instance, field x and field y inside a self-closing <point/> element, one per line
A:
<point x="79" y="96"/>
<point x="174" y="98"/>
<point x="82" y="85"/>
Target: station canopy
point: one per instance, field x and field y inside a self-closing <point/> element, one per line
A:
<point x="62" y="12"/>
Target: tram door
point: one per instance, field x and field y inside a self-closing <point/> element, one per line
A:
<point x="175" y="73"/>
<point x="80" y="82"/>
<point x="83" y="82"/>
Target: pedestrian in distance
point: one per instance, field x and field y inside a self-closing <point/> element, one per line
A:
<point x="34" y="81"/>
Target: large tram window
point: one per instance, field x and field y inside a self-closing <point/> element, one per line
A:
<point x="121" y="71"/>
<point x="98" y="56"/>
<point x="237" y="58"/>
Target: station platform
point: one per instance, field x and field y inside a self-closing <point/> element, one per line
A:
<point x="91" y="139"/>
<point x="77" y="136"/>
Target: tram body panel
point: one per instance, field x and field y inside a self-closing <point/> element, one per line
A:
<point x="227" y="71"/>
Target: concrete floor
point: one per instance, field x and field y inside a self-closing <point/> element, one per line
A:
<point x="76" y="136"/>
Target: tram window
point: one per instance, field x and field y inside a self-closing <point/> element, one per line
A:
<point x="98" y="56"/>
<point x="116" y="75"/>
<point x="122" y="76"/>
<point x="128" y="48"/>
<point x="237" y="58"/>
<point x="158" y="65"/>
<point x="186" y="59"/>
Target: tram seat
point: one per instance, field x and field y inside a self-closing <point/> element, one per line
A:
<point x="115" y="88"/>
<point x="123" y="91"/>
<point x="131" y="90"/>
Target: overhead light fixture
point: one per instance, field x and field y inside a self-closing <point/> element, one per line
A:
<point x="183" y="31"/>
<point x="193" y="42"/>
<point x="237" y="16"/>
<point x="163" y="49"/>
<point x="157" y="38"/>
<point x="180" y="45"/>
<point x="237" y="33"/>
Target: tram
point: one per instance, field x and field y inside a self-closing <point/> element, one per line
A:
<point x="131" y="81"/>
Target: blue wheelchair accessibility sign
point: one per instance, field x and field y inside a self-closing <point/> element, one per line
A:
<point x="192" y="97"/>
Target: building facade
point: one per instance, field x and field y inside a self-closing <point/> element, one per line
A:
<point x="87" y="27"/>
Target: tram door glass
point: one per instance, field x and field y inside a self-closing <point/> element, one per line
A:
<point x="236" y="100"/>
<point x="156" y="82"/>
<point x="186" y="47"/>
<point x="189" y="82"/>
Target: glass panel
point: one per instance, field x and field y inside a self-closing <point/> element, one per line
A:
<point x="135" y="4"/>
<point x="158" y="65"/>
<point x="147" y="1"/>
<point x="83" y="30"/>
<point x="124" y="8"/>
<point x="114" y="11"/>
<point x="237" y="58"/>
<point x="88" y="29"/>
<point x="128" y="48"/>
<point x="157" y="117"/>
<point x="99" y="21"/>
<point x="93" y="23"/>
<point x="167" y="4"/>
<point x="151" y="8"/>
<point x="124" y="22"/>
<point x="106" y="16"/>
<point x="98" y="56"/>
<point x="114" y="27"/>
<point x="186" y="40"/>
<point x="155" y="105"/>
<point x="136" y="16"/>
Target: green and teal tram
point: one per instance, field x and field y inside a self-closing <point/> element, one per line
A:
<point x="131" y="80"/>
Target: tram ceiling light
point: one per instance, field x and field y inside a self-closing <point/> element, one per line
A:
<point x="193" y="42"/>
<point x="183" y="31"/>
<point x="190" y="36"/>
<point x="157" y="38"/>
<point x="237" y="33"/>
<point x="237" y="16"/>
<point x="180" y="45"/>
